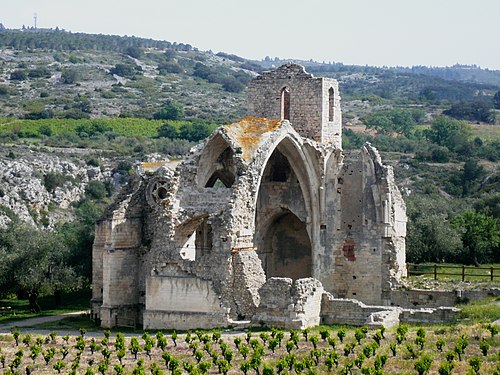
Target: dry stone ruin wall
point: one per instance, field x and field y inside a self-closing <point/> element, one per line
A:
<point x="263" y="204"/>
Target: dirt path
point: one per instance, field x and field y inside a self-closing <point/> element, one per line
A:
<point x="5" y="328"/>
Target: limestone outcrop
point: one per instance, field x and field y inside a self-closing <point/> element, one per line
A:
<point x="24" y="192"/>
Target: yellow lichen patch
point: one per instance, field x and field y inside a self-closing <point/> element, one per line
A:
<point x="152" y="165"/>
<point x="248" y="133"/>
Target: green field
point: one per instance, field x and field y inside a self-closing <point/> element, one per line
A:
<point x="123" y="126"/>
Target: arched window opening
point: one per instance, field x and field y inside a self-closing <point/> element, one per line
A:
<point x="196" y="239"/>
<point x="278" y="169"/>
<point x="221" y="179"/>
<point x="223" y="176"/>
<point x="331" y="104"/>
<point x="203" y="241"/>
<point x="285" y="103"/>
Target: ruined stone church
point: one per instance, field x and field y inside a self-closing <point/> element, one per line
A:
<point x="264" y="222"/>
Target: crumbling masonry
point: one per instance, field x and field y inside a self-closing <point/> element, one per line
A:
<point x="267" y="221"/>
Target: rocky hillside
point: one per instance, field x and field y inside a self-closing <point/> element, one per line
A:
<point x="53" y="73"/>
<point x="40" y="185"/>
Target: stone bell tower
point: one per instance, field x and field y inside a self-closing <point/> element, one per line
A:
<point x="311" y="104"/>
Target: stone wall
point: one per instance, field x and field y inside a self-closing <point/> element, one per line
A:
<point x="182" y="303"/>
<point x="289" y="304"/>
<point x="365" y="229"/>
<point x="183" y="320"/>
<point x="309" y="104"/>
<point x="410" y="298"/>
<point x="349" y="311"/>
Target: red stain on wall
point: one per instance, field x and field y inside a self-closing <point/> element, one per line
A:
<point x="348" y="250"/>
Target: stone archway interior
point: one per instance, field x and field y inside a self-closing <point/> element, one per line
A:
<point x="286" y="248"/>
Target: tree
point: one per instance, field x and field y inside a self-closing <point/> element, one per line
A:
<point x="195" y="131"/>
<point x="69" y="76"/>
<point x="168" y="130"/>
<point x="431" y="236"/>
<point x="135" y="52"/>
<point x="480" y="236"/>
<point x="496" y="100"/>
<point x="400" y="121"/>
<point x="449" y="133"/>
<point x="471" y="173"/>
<point x="18" y="75"/>
<point x="172" y="111"/>
<point x="231" y="84"/>
<point x="96" y="190"/>
<point x="471" y="111"/>
<point x="124" y="70"/>
<point x="36" y="265"/>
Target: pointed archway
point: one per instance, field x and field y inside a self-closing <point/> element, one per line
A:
<point x="283" y="209"/>
<point x="285" y="249"/>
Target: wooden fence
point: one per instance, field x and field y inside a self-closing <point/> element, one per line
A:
<point x="470" y="272"/>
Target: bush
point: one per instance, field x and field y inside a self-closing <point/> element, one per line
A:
<point x="135" y="52"/>
<point x="4" y="90"/>
<point x="231" y="84"/>
<point x="94" y="127"/>
<point x="18" y="75"/>
<point x="45" y="130"/>
<point x="53" y="180"/>
<point x="471" y="111"/>
<point x="170" y="67"/>
<point x="41" y="72"/>
<point x="172" y="111"/>
<point x="124" y="70"/>
<point x="168" y="130"/>
<point x="69" y="76"/>
<point x="96" y="190"/>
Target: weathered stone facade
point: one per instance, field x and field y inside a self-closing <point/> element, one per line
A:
<point x="269" y="202"/>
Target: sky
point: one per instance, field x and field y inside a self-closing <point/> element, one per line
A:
<point x="361" y="32"/>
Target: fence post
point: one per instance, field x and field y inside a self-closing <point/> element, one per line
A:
<point x="435" y="272"/>
<point x="491" y="274"/>
<point x="463" y="272"/>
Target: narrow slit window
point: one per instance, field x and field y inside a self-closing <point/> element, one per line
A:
<point x="285" y="103"/>
<point x="331" y="104"/>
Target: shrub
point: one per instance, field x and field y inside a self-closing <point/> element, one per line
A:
<point x="171" y="111"/>
<point x="41" y="72"/>
<point x="4" y="90"/>
<point x="18" y="75"/>
<point x="423" y="365"/>
<point x="70" y="76"/>
<point x="53" y="180"/>
<point x="96" y="190"/>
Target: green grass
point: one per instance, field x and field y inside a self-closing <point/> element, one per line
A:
<point x="485" y="310"/>
<point x="486" y="132"/>
<point x="72" y="323"/>
<point x="444" y="271"/>
<point x="70" y="302"/>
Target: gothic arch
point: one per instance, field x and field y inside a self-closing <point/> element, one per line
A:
<point x="285" y="248"/>
<point x="303" y="177"/>
<point x="285" y="103"/>
<point x="216" y="166"/>
<point x="193" y="238"/>
<point x="331" y="104"/>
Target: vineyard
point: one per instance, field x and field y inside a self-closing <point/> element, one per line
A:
<point x="123" y="126"/>
<point x="460" y="349"/>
